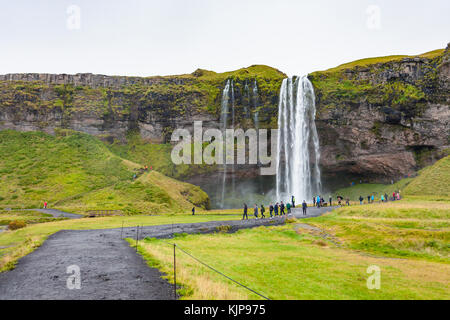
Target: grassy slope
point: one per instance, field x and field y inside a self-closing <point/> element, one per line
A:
<point x="370" y="61"/>
<point x="286" y="263"/>
<point x="432" y="183"/>
<point x="158" y="156"/>
<point x="18" y="243"/>
<point x="377" y="189"/>
<point x="73" y="168"/>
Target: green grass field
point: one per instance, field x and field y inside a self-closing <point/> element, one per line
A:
<point x="327" y="257"/>
<point x="77" y="172"/>
<point x="376" y="189"/>
<point x="288" y="263"/>
<point x="29" y="217"/>
<point x="18" y="243"/>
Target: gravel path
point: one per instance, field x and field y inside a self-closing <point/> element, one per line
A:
<point x="109" y="267"/>
<point x="57" y="213"/>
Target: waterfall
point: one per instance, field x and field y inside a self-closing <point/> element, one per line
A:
<point x="255" y="104"/>
<point x="247" y="95"/>
<point x="227" y="95"/>
<point x="223" y="124"/>
<point x="298" y="142"/>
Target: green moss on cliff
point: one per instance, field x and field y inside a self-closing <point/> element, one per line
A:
<point x="380" y="81"/>
<point x="163" y="98"/>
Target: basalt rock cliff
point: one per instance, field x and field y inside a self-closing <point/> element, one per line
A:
<point x="378" y="119"/>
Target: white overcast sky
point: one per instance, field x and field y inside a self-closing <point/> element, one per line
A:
<point x="144" y="38"/>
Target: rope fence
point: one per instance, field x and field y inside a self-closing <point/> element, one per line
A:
<point x="206" y="265"/>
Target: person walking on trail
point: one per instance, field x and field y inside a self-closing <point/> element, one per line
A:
<point x="275" y="209"/>
<point x="330" y="200"/>
<point x="245" y="216"/>
<point x="318" y="201"/>
<point x="288" y="207"/>
<point x="382" y="198"/>
<point x="372" y="198"/>
<point x="347" y="201"/>
<point x="282" y="209"/>
<point x="193" y="211"/>
<point x="361" y="200"/>
<point x="255" y="212"/>
<point x="314" y="201"/>
<point x="368" y="199"/>
<point x="293" y="202"/>
<point x="262" y="212"/>
<point x="304" y="206"/>
<point x="398" y="195"/>
<point x="271" y="210"/>
<point x="45" y="204"/>
<point x="393" y="195"/>
<point x="386" y="197"/>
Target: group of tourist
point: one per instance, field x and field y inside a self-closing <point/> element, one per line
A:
<point x="275" y="210"/>
<point x="383" y="197"/>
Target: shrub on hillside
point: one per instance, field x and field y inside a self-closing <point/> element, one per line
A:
<point x="16" y="224"/>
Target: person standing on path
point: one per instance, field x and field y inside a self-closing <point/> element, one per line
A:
<point x="288" y="207"/>
<point x="368" y="199"/>
<point x="330" y="200"/>
<point x="45" y="204"/>
<point x="271" y="210"/>
<point x="393" y="195"/>
<point x="282" y="209"/>
<point x="361" y="200"/>
<point x="304" y="206"/>
<point x="373" y="198"/>
<point x="255" y="212"/>
<point x="275" y="209"/>
<point x="386" y="197"/>
<point x="382" y="198"/>
<point x="262" y="212"/>
<point x="318" y="201"/>
<point x="193" y="211"/>
<point x="245" y="216"/>
<point x="293" y="202"/>
<point x="314" y="201"/>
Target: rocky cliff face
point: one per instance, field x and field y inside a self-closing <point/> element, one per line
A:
<point x="382" y="120"/>
<point x="113" y="106"/>
<point x="378" y="119"/>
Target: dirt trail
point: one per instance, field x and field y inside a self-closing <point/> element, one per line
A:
<point x="109" y="267"/>
<point x="58" y="213"/>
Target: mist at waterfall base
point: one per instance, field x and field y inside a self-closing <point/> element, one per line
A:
<point x="297" y="154"/>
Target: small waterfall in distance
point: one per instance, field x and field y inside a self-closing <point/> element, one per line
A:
<point x="223" y="124"/>
<point x="255" y="105"/>
<point x="298" y="142"/>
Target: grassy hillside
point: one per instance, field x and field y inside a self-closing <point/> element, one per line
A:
<point x="66" y="168"/>
<point x="370" y="61"/>
<point x="432" y="181"/>
<point x="158" y="156"/>
<point x="376" y="189"/>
